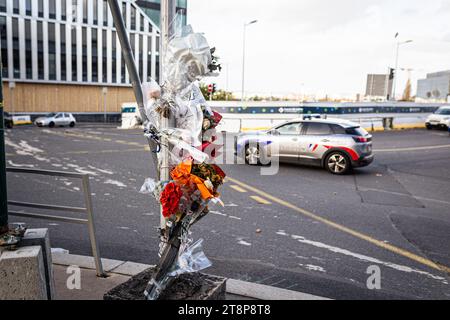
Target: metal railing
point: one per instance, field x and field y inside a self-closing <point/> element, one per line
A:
<point x="88" y="209"/>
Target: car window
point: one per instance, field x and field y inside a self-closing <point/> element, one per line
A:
<point x="357" y="131"/>
<point x="337" y="129"/>
<point x="290" y="128"/>
<point x="443" y="111"/>
<point x="318" y="129"/>
<point x="59" y="115"/>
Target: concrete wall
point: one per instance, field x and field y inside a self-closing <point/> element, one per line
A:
<point x="32" y="97"/>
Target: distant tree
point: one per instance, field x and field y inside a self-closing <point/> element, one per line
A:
<point x="407" y="91"/>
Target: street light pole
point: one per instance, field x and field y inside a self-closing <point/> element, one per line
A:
<point x="3" y="189"/>
<point x="396" y="66"/>
<point x="243" y="58"/>
<point x="168" y="11"/>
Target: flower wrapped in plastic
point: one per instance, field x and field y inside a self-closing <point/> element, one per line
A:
<point x="194" y="184"/>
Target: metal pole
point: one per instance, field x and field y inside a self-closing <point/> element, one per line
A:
<point x="131" y="66"/>
<point x="91" y="227"/>
<point x="243" y="65"/>
<point x="168" y="9"/>
<point x="396" y="72"/>
<point x="3" y="189"/>
<point x="105" y="92"/>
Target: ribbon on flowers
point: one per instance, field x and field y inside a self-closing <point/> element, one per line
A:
<point x="182" y="175"/>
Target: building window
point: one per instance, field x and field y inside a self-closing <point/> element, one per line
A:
<point x="95" y="11"/>
<point x="16" y="8"/>
<point x="133" y="18"/>
<point x="123" y="70"/>
<point x="16" y="48"/>
<point x="41" y="8"/>
<point x="28" y="50"/>
<point x="52" y="9"/>
<point x="74" y="54"/>
<point x="105" y="13"/>
<point x="114" y="64"/>
<point x="2" y="5"/>
<point x="63" y="10"/>
<point x="85" y="10"/>
<point x="104" y="58"/>
<point x="51" y="51"/>
<point x="94" y="56"/>
<point x="63" y="52"/>
<point x="3" y="45"/>
<point x="84" y="41"/>
<point x="141" y="56"/>
<point x="149" y="57"/>
<point x="28" y="7"/>
<point x="40" y="42"/>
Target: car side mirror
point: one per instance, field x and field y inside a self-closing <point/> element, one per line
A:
<point x="274" y="132"/>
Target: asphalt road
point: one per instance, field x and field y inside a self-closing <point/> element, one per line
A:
<point x="319" y="233"/>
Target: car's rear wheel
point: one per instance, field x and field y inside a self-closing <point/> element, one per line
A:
<point x="429" y="126"/>
<point x="72" y="124"/>
<point x="252" y="155"/>
<point x="51" y="125"/>
<point x="338" y="163"/>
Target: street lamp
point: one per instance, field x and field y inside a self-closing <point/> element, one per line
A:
<point x="243" y="59"/>
<point x="399" y="43"/>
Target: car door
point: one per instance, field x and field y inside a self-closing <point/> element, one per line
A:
<point x="286" y="142"/>
<point x="317" y="135"/>
<point x="59" y="119"/>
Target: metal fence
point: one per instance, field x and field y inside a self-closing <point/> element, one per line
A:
<point x="87" y="210"/>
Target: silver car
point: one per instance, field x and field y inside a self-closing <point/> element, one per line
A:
<point x="56" y="120"/>
<point x="334" y="144"/>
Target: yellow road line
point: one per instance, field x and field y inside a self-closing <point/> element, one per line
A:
<point x="260" y="200"/>
<point x="238" y="189"/>
<point x="414" y="148"/>
<point x="347" y="230"/>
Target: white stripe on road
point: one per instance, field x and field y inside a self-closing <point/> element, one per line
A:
<point x="413" y="148"/>
<point x="365" y="258"/>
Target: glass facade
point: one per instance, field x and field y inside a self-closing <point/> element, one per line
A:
<point x="152" y="9"/>
<point x="73" y="41"/>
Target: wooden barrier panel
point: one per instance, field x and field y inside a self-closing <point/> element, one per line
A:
<point x="32" y="97"/>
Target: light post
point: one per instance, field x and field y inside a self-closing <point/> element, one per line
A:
<point x="243" y="58"/>
<point x="399" y="43"/>
<point x="3" y="189"/>
<point x="105" y="92"/>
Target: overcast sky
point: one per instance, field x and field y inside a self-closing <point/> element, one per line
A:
<point x="322" y="46"/>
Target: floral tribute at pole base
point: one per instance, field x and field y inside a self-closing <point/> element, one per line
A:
<point x="195" y="180"/>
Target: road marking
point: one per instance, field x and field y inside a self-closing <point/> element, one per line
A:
<point x="344" y="229"/>
<point x="238" y="189"/>
<point x="413" y="148"/>
<point x="260" y="200"/>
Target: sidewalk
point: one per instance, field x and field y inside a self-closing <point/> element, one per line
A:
<point x="93" y="288"/>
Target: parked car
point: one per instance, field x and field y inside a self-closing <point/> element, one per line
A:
<point x="438" y="119"/>
<point x="56" y="120"/>
<point x="8" y="120"/>
<point x="334" y="144"/>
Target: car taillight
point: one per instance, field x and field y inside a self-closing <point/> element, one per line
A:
<point x="360" y="139"/>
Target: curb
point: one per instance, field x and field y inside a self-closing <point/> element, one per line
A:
<point x="235" y="287"/>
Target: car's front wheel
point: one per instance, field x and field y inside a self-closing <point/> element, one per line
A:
<point x="338" y="163"/>
<point x="252" y="155"/>
<point x="72" y="124"/>
<point x="429" y="126"/>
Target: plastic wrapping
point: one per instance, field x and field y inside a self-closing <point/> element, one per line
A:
<point x="191" y="258"/>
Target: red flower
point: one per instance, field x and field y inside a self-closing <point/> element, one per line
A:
<point x="217" y="117"/>
<point x="170" y="199"/>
